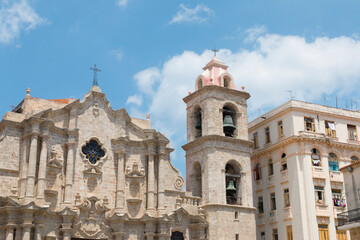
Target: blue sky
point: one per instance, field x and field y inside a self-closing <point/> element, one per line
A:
<point x="151" y="52"/>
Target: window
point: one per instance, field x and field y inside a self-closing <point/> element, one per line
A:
<point x="323" y="232"/>
<point x="352" y="132"/>
<point x="272" y="202"/>
<point x="198" y="123"/>
<point x="337" y="198"/>
<point x="267" y="135"/>
<point x="283" y="162"/>
<point x="315" y="157"/>
<point x="260" y="204"/>
<point x="270" y="168"/>
<point x="262" y="236"/>
<point x="226" y="82"/>
<point x="289" y="235"/>
<point x="236" y="236"/>
<point x="93" y="152"/>
<point x="236" y="215"/>
<point x="257" y="172"/>
<point x="286" y="198"/>
<point x="330" y="130"/>
<point x="319" y="194"/>
<point x="256" y="143"/>
<point x="333" y="162"/>
<point x="275" y="234"/>
<point x="354" y="159"/>
<point x="309" y="124"/>
<point x="232" y="179"/>
<point x="280" y="128"/>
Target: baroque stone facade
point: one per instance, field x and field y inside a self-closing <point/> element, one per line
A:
<point x="78" y="169"/>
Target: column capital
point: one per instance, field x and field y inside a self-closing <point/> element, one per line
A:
<point x="10" y="226"/>
<point x="35" y="133"/>
<point x="71" y="143"/>
<point x="151" y="153"/>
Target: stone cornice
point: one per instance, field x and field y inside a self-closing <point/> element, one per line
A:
<point x="213" y="88"/>
<point x="208" y="138"/>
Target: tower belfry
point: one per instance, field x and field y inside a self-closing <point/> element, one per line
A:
<point x="218" y="153"/>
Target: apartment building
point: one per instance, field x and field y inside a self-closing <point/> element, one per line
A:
<point x="297" y="186"/>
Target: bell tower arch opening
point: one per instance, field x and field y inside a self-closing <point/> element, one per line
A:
<point x="233" y="182"/>
<point x="198" y="122"/>
<point x="229" y="120"/>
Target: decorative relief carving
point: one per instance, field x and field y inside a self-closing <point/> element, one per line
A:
<point x="96" y="109"/>
<point x="55" y="161"/>
<point x="135" y="172"/>
<point x="90" y="221"/>
<point x="179" y="183"/>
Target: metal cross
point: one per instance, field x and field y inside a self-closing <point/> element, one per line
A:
<point x="95" y="69"/>
<point x="215" y="50"/>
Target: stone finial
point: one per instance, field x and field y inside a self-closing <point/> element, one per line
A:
<point x="243" y="88"/>
<point x="28" y="92"/>
<point x="148" y="116"/>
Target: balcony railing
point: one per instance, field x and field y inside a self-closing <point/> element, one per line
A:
<point x="336" y="176"/>
<point x="349" y="217"/>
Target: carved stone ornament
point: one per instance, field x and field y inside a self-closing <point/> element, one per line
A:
<point x="90" y="221"/>
<point x="94" y="156"/>
<point x="55" y="160"/>
<point x="134" y="172"/>
<point x="96" y="109"/>
<point x="179" y="183"/>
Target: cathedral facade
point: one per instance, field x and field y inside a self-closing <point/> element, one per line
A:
<point x="78" y="169"/>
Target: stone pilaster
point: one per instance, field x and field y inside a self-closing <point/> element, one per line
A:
<point x="2" y="233"/>
<point x="150" y="236"/>
<point x="18" y="233"/>
<point x="23" y="166"/>
<point x="151" y="182"/>
<point x="161" y="181"/>
<point x="69" y="172"/>
<point x="30" y="182"/>
<point x="38" y="231"/>
<point x="9" y="232"/>
<point x="120" y="180"/>
<point x="42" y="167"/>
<point x="26" y="231"/>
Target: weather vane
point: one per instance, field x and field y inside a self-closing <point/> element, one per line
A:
<point x="95" y="69"/>
<point x="215" y="50"/>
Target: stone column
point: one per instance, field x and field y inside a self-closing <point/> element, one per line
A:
<point x="18" y="233"/>
<point x="9" y="232"/>
<point x="161" y="181"/>
<point x="120" y="181"/>
<point x="23" y="165"/>
<point x="38" y="231"/>
<point x="42" y="167"/>
<point x="26" y="231"/>
<point x="151" y="181"/>
<point x="67" y="234"/>
<point x="69" y="172"/>
<point x="150" y="236"/>
<point x="30" y="183"/>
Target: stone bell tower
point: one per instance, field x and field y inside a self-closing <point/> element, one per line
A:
<point x="218" y="153"/>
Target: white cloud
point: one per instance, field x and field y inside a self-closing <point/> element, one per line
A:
<point x="198" y="14"/>
<point x="146" y="79"/>
<point x="135" y="99"/>
<point x="254" y="33"/>
<point x="275" y="65"/>
<point x="16" y="18"/>
<point x="117" y="53"/>
<point x="122" y="3"/>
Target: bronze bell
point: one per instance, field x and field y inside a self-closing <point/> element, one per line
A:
<point x="228" y="125"/>
<point x="198" y="124"/>
<point x="231" y="186"/>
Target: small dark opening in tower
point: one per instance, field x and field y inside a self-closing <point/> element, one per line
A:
<point x="198" y="123"/>
<point x="226" y="82"/>
<point x="232" y="180"/>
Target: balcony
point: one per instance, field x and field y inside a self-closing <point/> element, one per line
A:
<point x="284" y="177"/>
<point x="318" y="172"/>
<point x="273" y="216"/>
<point x="349" y="217"/>
<point x="308" y="134"/>
<point x="258" y="185"/>
<point x="336" y="176"/>
<point x="338" y="210"/>
<point x="260" y="219"/>
<point x="287" y="214"/>
<point x="270" y="181"/>
<point x="322" y="210"/>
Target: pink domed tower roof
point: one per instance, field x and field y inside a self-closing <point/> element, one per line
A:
<point x="215" y="73"/>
